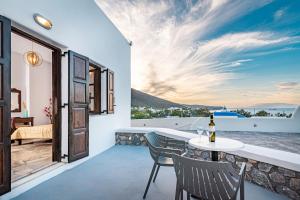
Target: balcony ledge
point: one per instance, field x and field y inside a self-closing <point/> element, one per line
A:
<point x="267" y="155"/>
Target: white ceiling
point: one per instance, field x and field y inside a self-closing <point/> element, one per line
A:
<point x="22" y="45"/>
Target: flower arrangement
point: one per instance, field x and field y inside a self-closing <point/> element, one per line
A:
<point x="48" y="111"/>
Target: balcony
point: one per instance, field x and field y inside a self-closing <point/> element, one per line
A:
<point x="121" y="172"/>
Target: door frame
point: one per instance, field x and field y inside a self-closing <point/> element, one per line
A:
<point x="56" y="90"/>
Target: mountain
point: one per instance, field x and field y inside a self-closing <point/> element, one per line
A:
<point x="274" y="105"/>
<point x="142" y="99"/>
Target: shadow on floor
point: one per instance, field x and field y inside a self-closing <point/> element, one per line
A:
<point x="119" y="173"/>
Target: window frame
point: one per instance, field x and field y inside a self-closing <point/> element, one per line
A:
<point x="97" y="90"/>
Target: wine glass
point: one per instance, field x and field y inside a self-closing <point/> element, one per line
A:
<point x="201" y="131"/>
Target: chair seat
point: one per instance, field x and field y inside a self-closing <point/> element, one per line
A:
<point x="165" y="161"/>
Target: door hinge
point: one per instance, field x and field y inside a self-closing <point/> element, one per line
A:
<point x="64" y="105"/>
<point x="103" y="71"/>
<point x="64" y="54"/>
<point x="64" y="156"/>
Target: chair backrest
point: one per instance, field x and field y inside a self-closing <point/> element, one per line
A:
<point x="155" y="142"/>
<point x="206" y="179"/>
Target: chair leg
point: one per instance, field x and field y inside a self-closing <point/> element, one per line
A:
<point x="242" y="190"/>
<point x="156" y="173"/>
<point x="188" y="196"/>
<point x="181" y="194"/>
<point x="149" y="181"/>
<point x="177" y="193"/>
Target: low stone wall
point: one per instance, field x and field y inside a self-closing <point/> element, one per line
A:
<point x="274" y="178"/>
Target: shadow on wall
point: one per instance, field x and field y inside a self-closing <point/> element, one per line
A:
<point x="296" y="114"/>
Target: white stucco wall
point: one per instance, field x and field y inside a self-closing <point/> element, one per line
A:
<point x="82" y="27"/>
<point x="40" y="80"/>
<point x="260" y="124"/>
<point x="18" y="80"/>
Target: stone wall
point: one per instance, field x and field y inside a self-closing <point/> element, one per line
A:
<point x="274" y="178"/>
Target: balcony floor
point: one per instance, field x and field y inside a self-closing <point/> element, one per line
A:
<point x="119" y="173"/>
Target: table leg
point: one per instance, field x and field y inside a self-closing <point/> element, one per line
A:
<point x="215" y="156"/>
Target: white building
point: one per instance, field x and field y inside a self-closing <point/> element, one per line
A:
<point x="82" y="39"/>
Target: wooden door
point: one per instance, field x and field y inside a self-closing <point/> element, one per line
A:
<point x="78" y="106"/>
<point x="5" y="52"/>
<point x="110" y="92"/>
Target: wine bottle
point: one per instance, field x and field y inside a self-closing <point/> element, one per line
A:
<point x="212" y="130"/>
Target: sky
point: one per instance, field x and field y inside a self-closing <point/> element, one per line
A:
<point x="234" y="53"/>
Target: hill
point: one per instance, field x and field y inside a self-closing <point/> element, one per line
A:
<point x="274" y="105"/>
<point x="142" y="99"/>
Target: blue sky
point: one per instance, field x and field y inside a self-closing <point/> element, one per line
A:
<point x="214" y="52"/>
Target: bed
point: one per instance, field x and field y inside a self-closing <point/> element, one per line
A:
<point x="33" y="132"/>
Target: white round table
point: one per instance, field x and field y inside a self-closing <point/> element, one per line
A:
<point x="221" y="144"/>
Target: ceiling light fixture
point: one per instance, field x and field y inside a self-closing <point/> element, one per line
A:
<point x="33" y="58"/>
<point x="42" y="21"/>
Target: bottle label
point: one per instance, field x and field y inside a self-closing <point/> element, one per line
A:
<point x="211" y="129"/>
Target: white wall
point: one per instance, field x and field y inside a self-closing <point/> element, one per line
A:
<point x="262" y="124"/>
<point x="40" y="84"/>
<point x="18" y="80"/>
<point x="82" y="27"/>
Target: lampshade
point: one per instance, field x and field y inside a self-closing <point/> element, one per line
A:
<point x="33" y="58"/>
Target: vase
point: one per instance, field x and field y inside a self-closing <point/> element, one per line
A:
<point x="25" y="113"/>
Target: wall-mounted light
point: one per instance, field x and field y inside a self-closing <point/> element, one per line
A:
<point x="42" y="21"/>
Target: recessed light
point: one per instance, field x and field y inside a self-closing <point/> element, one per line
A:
<point x="42" y="21"/>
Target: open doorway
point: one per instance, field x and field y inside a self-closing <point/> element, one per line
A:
<point x="35" y="96"/>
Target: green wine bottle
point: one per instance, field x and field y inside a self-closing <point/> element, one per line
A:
<point x="212" y="130"/>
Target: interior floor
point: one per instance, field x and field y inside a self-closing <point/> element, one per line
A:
<point x="29" y="158"/>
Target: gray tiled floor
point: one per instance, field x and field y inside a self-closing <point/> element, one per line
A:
<point x="120" y="173"/>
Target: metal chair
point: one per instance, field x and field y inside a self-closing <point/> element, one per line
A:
<point x="161" y="150"/>
<point x="207" y="180"/>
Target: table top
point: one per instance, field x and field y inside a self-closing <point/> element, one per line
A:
<point x="221" y="144"/>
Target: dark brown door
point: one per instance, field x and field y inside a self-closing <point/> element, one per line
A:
<point x="78" y="106"/>
<point x="110" y="92"/>
<point x="5" y="51"/>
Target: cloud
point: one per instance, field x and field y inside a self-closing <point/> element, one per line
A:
<point x="288" y="85"/>
<point x="157" y="87"/>
<point x="272" y="51"/>
<point x="279" y="14"/>
<point x="173" y="55"/>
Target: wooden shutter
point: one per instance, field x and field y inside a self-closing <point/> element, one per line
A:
<point x="5" y="60"/>
<point x="95" y="86"/>
<point x="78" y="106"/>
<point x="97" y="90"/>
<point x="110" y="92"/>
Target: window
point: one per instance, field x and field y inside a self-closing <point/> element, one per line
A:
<point x="101" y="89"/>
<point x="95" y="89"/>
